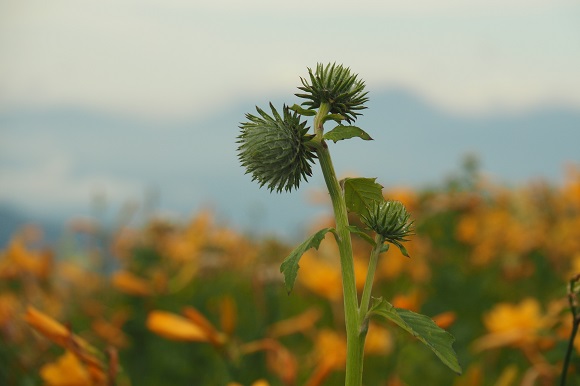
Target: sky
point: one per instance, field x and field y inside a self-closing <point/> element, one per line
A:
<point x="161" y="64"/>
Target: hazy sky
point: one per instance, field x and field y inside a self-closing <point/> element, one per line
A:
<point x="179" y="58"/>
<point x="170" y="63"/>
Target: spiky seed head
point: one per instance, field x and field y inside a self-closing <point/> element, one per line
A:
<point x="336" y="85"/>
<point x="274" y="149"/>
<point x="391" y="220"/>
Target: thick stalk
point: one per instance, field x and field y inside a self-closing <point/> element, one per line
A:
<point x="354" y="343"/>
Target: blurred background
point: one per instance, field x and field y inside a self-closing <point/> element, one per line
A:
<point x="134" y="250"/>
<point x="139" y="101"/>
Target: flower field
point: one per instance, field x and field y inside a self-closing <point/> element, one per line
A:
<point x="201" y="304"/>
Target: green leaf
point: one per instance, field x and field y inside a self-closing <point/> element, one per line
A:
<point x="335" y="117"/>
<point x="302" y="111"/>
<point x="290" y="265"/>
<point x="362" y="234"/>
<point x="360" y="193"/>
<point x="423" y="328"/>
<point x="345" y="132"/>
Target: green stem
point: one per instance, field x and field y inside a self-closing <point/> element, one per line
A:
<point x="354" y="341"/>
<point x="572" y="300"/>
<point x="569" y="352"/>
<point x="366" y="295"/>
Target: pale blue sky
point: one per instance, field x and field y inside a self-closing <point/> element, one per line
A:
<point x="156" y="74"/>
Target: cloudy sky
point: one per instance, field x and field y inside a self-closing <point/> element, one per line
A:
<point x="181" y="58"/>
<point x="166" y="62"/>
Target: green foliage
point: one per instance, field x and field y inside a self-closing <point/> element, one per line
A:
<point x="423" y="328"/>
<point x="361" y="193"/>
<point x="346" y="132"/>
<point x="290" y="265"/>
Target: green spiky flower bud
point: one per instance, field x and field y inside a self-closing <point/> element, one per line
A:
<point x="337" y="86"/>
<point x="391" y="220"/>
<point x="274" y="149"/>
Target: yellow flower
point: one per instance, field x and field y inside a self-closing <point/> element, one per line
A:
<point x="331" y="355"/>
<point x="62" y="336"/>
<point x="379" y="340"/>
<point x="8" y="306"/>
<point x="48" y="327"/>
<point x="321" y="277"/>
<point x="175" y="327"/>
<point x="24" y="260"/>
<point x="513" y="325"/>
<point x="131" y="284"/>
<point x="67" y="370"/>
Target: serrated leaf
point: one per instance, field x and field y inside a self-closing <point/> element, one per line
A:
<point x="302" y="111"/>
<point x="423" y="328"/>
<point x="290" y="265"/>
<point x="356" y="230"/>
<point x="360" y="193"/>
<point x="345" y="132"/>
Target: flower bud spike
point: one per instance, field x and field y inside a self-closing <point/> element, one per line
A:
<point x="275" y="150"/>
<point x="337" y="86"/>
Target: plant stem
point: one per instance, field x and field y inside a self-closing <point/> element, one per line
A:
<point x="366" y="295"/>
<point x="569" y="352"/>
<point x="354" y="343"/>
<point x="572" y="300"/>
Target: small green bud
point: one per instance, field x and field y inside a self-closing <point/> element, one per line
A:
<point x="391" y="220"/>
<point x="275" y="150"/>
<point x="336" y="86"/>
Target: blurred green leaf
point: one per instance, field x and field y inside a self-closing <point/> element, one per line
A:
<point x="423" y="328"/>
<point x="290" y="265"/>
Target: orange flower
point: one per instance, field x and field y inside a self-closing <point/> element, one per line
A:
<point x="411" y="302"/>
<point x="300" y="323"/>
<point x="67" y="370"/>
<point x="27" y="261"/>
<point x="8" y="306"/>
<point x="48" y="327"/>
<point x="320" y="277"/>
<point x="62" y="336"/>
<point x="331" y="353"/>
<point x="280" y="360"/>
<point x="213" y="335"/>
<point x="131" y="284"/>
<point x="175" y="327"/>
<point x="111" y="333"/>
<point x="379" y="340"/>
<point x="445" y="319"/>
<point x="513" y="325"/>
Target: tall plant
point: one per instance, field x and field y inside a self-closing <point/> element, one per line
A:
<point x="278" y="151"/>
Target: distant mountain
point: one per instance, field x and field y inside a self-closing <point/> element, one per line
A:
<point x="12" y="220"/>
<point x="54" y="162"/>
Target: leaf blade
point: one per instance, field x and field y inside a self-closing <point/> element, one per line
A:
<point x="360" y="193"/>
<point x="289" y="267"/>
<point x="421" y="327"/>
<point x="341" y="132"/>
